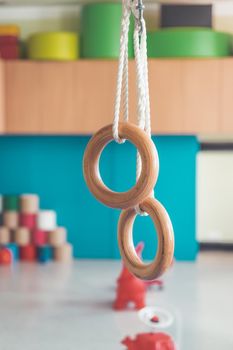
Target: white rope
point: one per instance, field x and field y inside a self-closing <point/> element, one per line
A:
<point x="122" y="76"/>
<point x="140" y="51"/>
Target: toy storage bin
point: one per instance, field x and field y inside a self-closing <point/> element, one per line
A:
<point x="101" y="29"/>
<point x="55" y="46"/>
<point x="188" y="42"/>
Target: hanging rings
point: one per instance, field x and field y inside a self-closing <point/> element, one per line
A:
<point x="146" y="180"/>
<point x="165" y="250"/>
<point x="139" y="197"/>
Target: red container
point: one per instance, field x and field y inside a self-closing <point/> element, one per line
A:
<point x="39" y="237"/>
<point x="9" y="52"/>
<point x="27" y="253"/>
<point x="6" y="257"/>
<point x="27" y="220"/>
<point x="8" y="40"/>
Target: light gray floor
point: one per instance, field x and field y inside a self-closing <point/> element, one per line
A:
<point x="62" y="307"/>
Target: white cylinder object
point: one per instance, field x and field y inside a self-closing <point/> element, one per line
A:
<point x="57" y="237"/>
<point x="5" y="235"/>
<point x="29" y="203"/>
<point x="22" y="236"/>
<point x="63" y="253"/>
<point x="46" y="220"/>
<point x="11" y="219"/>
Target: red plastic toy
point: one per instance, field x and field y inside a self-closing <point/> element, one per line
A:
<point x="154" y="319"/>
<point x="5" y="256"/>
<point x="130" y="290"/>
<point x="150" y="341"/>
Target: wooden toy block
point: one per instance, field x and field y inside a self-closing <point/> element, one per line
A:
<point x="27" y="252"/>
<point x="5" y="235"/>
<point x="22" y="236"/>
<point x="14" y="248"/>
<point x="11" y="203"/>
<point x="46" y="220"/>
<point x="11" y="219"/>
<point x="63" y="253"/>
<point x="39" y="237"/>
<point x="44" y="253"/>
<point x="57" y="237"/>
<point x="29" y="203"/>
<point x="5" y="256"/>
<point x="27" y="220"/>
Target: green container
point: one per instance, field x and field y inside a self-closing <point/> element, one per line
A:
<point x="55" y="46"/>
<point x="188" y="42"/>
<point x="101" y="29"/>
<point x="11" y="202"/>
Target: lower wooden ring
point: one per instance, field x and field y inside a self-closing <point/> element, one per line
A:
<point x="165" y="250"/>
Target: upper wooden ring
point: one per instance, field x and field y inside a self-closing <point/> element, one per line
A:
<point x="149" y="172"/>
<point x="165" y="250"/>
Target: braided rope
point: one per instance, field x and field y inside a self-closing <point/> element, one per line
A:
<point x="143" y="97"/>
<point x="122" y="73"/>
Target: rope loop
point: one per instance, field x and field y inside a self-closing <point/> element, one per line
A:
<point x="134" y="7"/>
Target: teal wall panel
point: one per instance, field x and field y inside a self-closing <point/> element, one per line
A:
<point x="52" y="167"/>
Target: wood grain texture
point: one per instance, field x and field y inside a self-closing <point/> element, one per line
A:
<point x="226" y="99"/>
<point x="149" y="173"/>
<point x="200" y="92"/>
<point x="78" y="97"/>
<point x="166" y="96"/>
<point x="66" y="97"/>
<point x="2" y="97"/>
<point x="165" y="250"/>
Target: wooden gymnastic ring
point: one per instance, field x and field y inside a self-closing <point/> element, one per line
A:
<point x="148" y="176"/>
<point x="165" y="250"/>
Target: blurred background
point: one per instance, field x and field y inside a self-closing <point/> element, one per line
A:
<point x="58" y="71"/>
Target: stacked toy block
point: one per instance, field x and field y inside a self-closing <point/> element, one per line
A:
<point x="30" y="234"/>
<point x="9" y="42"/>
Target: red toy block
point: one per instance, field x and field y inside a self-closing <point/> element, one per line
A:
<point x="6" y="257"/>
<point x="27" y="253"/>
<point x="27" y="220"/>
<point x="39" y="237"/>
<point x="150" y="341"/>
<point x="9" y="52"/>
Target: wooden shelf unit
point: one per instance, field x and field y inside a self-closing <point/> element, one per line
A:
<point x="188" y="96"/>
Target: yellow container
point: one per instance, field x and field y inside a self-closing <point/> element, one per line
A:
<point x="9" y="29"/>
<point x="54" y="46"/>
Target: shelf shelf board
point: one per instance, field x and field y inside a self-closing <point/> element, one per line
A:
<point x="188" y="96"/>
